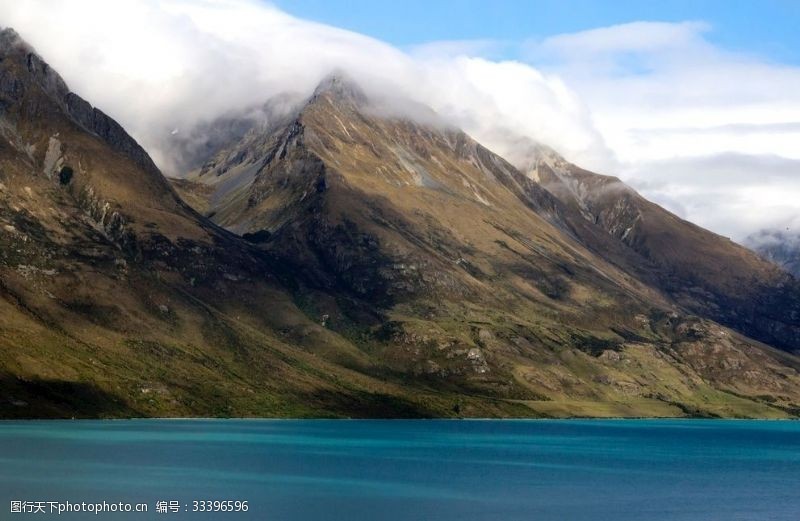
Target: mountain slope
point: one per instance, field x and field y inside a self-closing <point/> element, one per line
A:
<point x="704" y="273"/>
<point x="446" y="264"/>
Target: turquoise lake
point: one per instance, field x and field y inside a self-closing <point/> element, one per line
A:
<point x="354" y="470"/>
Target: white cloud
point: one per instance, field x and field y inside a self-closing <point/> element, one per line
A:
<point x="157" y="65"/>
<point x="706" y="126"/>
<point x="631" y="37"/>
<point x="646" y="83"/>
<point x="732" y="194"/>
<point x="445" y="49"/>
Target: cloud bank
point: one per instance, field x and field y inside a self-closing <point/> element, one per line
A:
<point x="158" y="65"/>
<point x="708" y="133"/>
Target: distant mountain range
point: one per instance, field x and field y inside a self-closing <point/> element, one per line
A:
<point x="779" y="246"/>
<point x="326" y="256"/>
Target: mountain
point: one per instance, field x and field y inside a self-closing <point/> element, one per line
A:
<point x="447" y="264"/>
<point x="780" y="247"/>
<point x="117" y="299"/>
<point x="342" y="259"/>
<point x="700" y="271"/>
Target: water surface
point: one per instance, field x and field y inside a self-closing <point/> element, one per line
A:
<point x="538" y="470"/>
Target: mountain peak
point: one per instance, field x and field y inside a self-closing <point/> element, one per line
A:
<point x="339" y="85"/>
<point x="9" y="39"/>
<point x="27" y="79"/>
<point x="15" y="48"/>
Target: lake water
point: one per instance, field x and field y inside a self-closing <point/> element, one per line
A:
<point x="346" y="470"/>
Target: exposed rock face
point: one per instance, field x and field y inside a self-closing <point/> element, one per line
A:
<point x="96" y="122"/>
<point x="191" y="148"/>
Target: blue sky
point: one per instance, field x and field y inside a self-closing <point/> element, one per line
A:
<point x="768" y="28"/>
